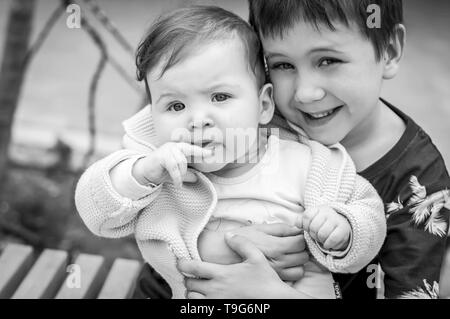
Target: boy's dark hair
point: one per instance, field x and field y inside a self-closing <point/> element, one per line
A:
<point x="176" y="34"/>
<point x="275" y="17"/>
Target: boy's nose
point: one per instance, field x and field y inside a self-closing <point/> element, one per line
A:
<point x="308" y="92"/>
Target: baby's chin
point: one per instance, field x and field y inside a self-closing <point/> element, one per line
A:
<point x="208" y="167"/>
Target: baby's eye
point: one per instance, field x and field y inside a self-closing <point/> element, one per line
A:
<point x="220" y="97"/>
<point x="176" y="107"/>
<point x="328" y="61"/>
<point x="282" y="66"/>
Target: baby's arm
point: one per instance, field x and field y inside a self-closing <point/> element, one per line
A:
<point x="112" y="191"/>
<point x="333" y="182"/>
<point x="104" y="210"/>
<point x="365" y="212"/>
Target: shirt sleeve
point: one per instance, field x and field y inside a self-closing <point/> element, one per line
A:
<point x="417" y="227"/>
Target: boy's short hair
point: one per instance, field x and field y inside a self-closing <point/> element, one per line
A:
<point x="275" y="17"/>
<point x="175" y="34"/>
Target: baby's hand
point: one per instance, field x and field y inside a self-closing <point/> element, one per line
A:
<point x="326" y="226"/>
<point x="168" y="163"/>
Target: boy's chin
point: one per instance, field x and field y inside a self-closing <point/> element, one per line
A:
<point x="208" y="167"/>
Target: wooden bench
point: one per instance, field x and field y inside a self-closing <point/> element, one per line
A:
<point x="24" y="275"/>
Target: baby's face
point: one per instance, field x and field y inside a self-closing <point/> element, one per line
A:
<point x="327" y="82"/>
<point x="206" y="99"/>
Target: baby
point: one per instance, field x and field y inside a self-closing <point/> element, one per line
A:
<point x="201" y="161"/>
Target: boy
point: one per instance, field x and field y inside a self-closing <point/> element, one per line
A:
<point x="205" y="81"/>
<point x="327" y="61"/>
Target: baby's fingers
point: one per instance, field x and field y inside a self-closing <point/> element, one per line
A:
<point x="337" y="240"/>
<point x="173" y="169"/>
<point x="325" y="231"/>
<point x="190" y="177"/>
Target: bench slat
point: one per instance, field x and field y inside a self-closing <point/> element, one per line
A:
<point x="120" y="281"/>
<point x="15" y="261"/>
<point x="90" y="271"/>
<point x="45" y="277"/>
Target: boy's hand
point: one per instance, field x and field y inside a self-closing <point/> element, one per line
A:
<point x="169" y="163"/>
<point x="283" y="246"/>
<point x="326" y="226"/>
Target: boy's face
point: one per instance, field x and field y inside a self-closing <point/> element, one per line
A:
<point x="204" y="96"/>
<point x="327" y="82"/>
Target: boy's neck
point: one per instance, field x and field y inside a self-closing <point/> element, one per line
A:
<point x="253" y="156"/>
<point x="374" y="137"/>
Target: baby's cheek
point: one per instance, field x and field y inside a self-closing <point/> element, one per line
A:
<point x="212" y="246"/>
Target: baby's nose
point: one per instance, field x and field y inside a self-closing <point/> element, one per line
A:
<point x="201" y="123"/>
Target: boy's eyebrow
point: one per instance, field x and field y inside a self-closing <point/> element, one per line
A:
<point x="271" y="55"/>
<point x="324" y="49"/>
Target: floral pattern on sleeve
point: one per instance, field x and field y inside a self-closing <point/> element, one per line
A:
<point x="425" y="209"/>
<point x="430" y="292"/>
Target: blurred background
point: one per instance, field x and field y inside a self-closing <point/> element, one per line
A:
<point x="64" y="105"/>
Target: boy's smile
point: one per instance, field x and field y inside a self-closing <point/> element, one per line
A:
<point x="327" y="82"/>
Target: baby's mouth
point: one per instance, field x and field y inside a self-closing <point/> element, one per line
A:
<point x="209" y="144"/>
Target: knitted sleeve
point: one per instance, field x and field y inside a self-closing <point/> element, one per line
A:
<point x="333" y="181"/>
<point x="104" y="211"/>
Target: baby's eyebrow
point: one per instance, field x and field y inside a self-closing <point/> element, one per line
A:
<point x="217" y="86"/>
<point x="270" y="55"/>
<point x="167" y="95"/>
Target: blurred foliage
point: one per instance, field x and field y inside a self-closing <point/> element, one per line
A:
<point x="37" y="208"/>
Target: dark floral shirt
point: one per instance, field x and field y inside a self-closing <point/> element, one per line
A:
<point x="414" y="184"/>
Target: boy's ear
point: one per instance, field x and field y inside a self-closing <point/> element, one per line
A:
<point x="394" y="52"/>
<point x="266" y="103"/>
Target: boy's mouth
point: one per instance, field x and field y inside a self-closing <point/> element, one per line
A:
<point x="321" y="118"/>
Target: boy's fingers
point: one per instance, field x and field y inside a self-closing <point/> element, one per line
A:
<point x="244" y="248"/>
<point x="195" y="285"/>
<point x="316" y="223"/>
<point x="292" y="260"/>
<point x="197" y="268"/>
<point x="292" y="274"/>
<point x="308" y="216"/>
<point x="278" y="229"/>
<point x="194" y="295"/>
<point x="299" y="221"/>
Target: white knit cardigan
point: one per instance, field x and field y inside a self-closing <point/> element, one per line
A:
<point x="168" y="221"/>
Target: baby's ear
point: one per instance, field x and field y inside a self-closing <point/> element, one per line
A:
<point x="266" y="103"/>
<point x="394" y="52"/>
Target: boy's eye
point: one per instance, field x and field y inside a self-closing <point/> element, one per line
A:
<point x="282" y="66"/>
<point x="328" y="61"/>
<point x="177" y="107"/>
<point x="220" y="97"/>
